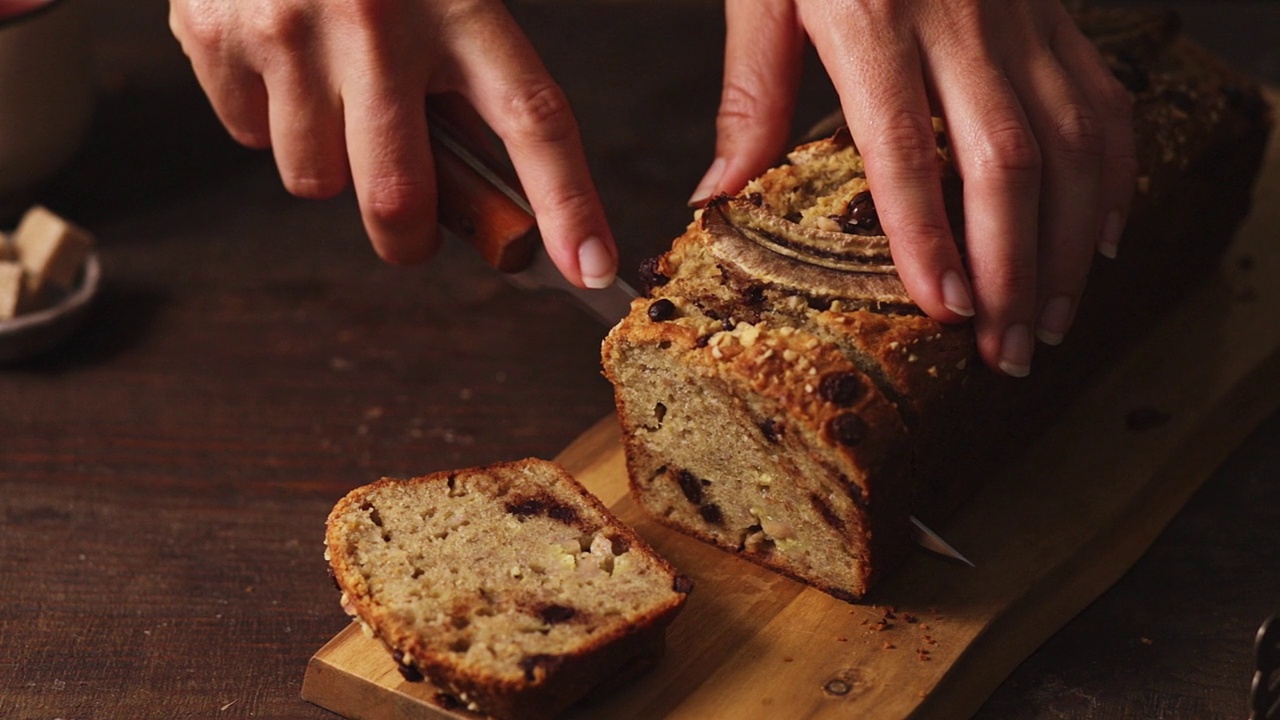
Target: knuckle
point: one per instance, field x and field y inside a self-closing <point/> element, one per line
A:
<point x="396" y="200"/>
<point x="882" y="10"/>
<point x="907" y="143"/>
<point x="464" y="15"/>
<point x="968" y="15"/>
<point x="574" y="203"/>
<point x="1077" y="134"/>
<point x="540" y="111"/>
<point x="278" y="24"/>
<point x="1007" y="149"/>
<point x="739" y="106"/>
<point x="208" y="31"/>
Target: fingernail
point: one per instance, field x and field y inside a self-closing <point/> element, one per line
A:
<point x="955" y="294"/>
<point x="1055" y="318"/>
<point x="1112" y="227"/>
<point x="709" y="183"/>
<point x="596" y="264"/>
<point x="1015" y="351"/>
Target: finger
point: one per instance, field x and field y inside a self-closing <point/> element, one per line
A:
<point x="390" y="159"/>
<point x="464" y="120"/>
<point x="306" y="122"/>
<point x="762" y="60"/>
<point x="498" y="71"/>
<point x="1114" y="106"/>
<point x="882" y="92"/>
<point x="235" y="89"/>
<point x="1069" y="132"/>
<point x="999" y="162"/>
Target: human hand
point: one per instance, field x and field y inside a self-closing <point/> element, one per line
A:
<point x="1040" y="130"/>
<point x="337" y="89"/>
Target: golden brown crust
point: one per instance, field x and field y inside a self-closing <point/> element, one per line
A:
<point x="456" y="625"/>
<point x="781" y="394"/>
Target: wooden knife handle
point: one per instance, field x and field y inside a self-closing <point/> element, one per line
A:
<point x="473" y="209"/>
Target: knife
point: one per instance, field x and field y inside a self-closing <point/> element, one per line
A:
<point x="479" y="203"/>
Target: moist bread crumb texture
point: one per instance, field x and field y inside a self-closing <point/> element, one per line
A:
<point x="511" y="587"/>
<point x="782" y="398"/>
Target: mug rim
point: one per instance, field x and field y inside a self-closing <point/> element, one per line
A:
<point x="23" y="16"/>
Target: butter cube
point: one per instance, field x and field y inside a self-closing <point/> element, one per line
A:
<point x="51" y="249"/>
<point x="10" y="289"/>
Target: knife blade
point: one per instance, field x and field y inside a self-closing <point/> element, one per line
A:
<point x="480" y="205"/>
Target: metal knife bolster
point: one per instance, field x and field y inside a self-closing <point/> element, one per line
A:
<point x="479" y="206"/>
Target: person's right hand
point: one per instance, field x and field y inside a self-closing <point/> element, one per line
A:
<point x="337" y="89"/>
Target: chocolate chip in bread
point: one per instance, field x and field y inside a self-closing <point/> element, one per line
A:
<point x="510" y="587"/>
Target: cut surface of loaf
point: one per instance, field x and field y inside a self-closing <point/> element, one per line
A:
<point x="781" y="397"/>
<point x="759" y="439"/>
<point x="510" y="586"/>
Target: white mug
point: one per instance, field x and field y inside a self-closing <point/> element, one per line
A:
<point x="46" y="89"/>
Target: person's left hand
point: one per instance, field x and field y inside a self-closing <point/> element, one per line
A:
<point x="1040" y="132"/>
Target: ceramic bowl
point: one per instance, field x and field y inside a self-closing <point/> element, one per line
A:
<point x="30" y="334"/>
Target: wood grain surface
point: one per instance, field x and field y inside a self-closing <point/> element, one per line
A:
<point x="164" y="476"/>
<point x="1049" y="532"/>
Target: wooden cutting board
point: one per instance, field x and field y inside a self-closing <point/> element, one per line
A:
<point x="1055" y="528"/>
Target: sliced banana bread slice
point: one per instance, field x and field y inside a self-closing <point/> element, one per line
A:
<point x="510" y="587"/>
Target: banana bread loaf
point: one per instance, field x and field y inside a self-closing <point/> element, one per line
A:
<point x="510" y="586"/>
<point x="782" y="398"/>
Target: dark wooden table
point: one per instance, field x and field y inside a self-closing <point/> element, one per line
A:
<point x="165" y="475"/>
